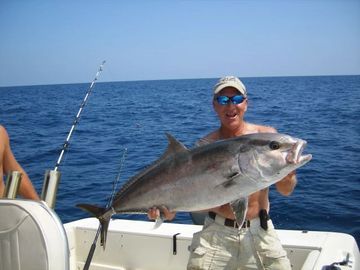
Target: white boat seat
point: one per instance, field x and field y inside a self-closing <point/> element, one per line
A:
<point x="32" y="237"/>
<point x="311" y="259"/>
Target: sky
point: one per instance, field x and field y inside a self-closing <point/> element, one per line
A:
<point x="55" y="42"/>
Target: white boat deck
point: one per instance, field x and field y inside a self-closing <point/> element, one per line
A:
<point x="136" y="245"/>
<point x="33" y="237"/>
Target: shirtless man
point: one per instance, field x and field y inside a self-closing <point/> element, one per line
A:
<point x="222" y="244"/>
<point x="8" y="163"/>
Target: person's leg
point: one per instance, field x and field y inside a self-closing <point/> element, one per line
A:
<point x="267" y="245"/>
<point x="215" y="247"/>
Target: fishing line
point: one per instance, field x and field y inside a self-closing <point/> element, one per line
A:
<point x="117" y="179"/>
<point x="115" y="184"/>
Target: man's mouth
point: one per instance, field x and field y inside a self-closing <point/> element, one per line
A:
<point x="230" y="114"/>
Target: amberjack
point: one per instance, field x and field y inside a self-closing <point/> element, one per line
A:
<point x="207" y="176"/>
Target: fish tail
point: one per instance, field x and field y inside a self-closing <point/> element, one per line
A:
<point x="103" y="215"/>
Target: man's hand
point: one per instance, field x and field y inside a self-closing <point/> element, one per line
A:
<point x="287" y="185"/>
<point x="154" y="213"/>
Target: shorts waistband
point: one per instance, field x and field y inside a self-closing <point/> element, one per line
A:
<point x="228" y="222"/>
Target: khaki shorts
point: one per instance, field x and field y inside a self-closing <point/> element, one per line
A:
<point x="221" y="247"/>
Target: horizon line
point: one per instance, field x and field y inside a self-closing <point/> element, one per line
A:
<point x="200" y="78"/>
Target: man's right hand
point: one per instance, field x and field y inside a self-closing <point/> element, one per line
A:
<point x="154" y="213"/>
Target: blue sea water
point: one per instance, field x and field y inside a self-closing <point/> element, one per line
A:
<point x="325" y="111"/>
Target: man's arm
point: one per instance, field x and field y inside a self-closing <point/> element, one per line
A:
<point x="287" y="185"/>
<point x="26" y="189"/>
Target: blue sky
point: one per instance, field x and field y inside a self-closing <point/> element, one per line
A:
<point x="49" y="42"/>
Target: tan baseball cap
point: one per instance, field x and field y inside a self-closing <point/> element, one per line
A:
<point x="230" y="81"/>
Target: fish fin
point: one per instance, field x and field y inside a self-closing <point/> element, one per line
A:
<point x="158" y="222"/>
<point x="228" y="183"/>
<point x="239" y="208"/>
<point x="174" y="146"/>
<point x="104" y="229"/>
<point x="103" y="215"/>
<point x="230" y="180"/>
<point x="92" y="209"/>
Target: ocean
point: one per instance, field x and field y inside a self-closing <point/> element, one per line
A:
<point x="122" y="130"/>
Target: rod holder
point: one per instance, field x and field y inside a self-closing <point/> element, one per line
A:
<point x="50" y="186"/>
<point x="12" y="184"/>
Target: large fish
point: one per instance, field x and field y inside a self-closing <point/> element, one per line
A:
<point x="207" y="176"/>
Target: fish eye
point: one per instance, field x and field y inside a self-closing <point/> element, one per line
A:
<point x="274" y="145"/>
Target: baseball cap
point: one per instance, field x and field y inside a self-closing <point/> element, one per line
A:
<point x="230" y="81"/>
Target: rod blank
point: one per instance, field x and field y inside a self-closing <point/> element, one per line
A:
<point x="77" y="118"/>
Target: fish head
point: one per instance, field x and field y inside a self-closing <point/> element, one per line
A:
<point x="268" y="157"/>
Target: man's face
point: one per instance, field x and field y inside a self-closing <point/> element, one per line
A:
<point x="231" y="115"/>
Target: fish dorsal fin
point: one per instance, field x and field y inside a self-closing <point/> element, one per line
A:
<point x="174" y="146"/>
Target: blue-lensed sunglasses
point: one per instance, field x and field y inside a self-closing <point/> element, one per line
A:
<point x="224" y="100"/>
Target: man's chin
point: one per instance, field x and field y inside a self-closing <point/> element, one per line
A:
<point x="232" y="123"/>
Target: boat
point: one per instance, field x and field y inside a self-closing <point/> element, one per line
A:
<point x="33" y="237"/>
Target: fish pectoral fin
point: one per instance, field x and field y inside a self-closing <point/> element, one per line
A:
<point x="158" y="222"/>
<point x="233" y="175"/>
<point x="228" y="183"/>
<point x="239" y="208"/>
<point x="230" y="180"/>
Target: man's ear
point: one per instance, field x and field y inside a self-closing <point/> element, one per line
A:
<point x="246" y="104"/>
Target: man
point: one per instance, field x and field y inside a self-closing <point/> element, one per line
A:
<point x="222" y="244"/>
<point x="8" y="163"/>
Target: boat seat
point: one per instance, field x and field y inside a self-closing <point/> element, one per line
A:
<point x="311" y="259"/>
<point x="32" y="237"/>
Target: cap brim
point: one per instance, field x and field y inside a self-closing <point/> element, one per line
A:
<point x="230" y="84"/>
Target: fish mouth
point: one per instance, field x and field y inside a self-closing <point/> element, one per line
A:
<point x="295" y="155"/>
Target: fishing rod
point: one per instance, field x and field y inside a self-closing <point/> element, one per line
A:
<point x="111" y="199"/>
<point x="52" y="177"/>
<point x="77" y="118"/>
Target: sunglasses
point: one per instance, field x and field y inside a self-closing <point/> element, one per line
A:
<point x="224" y="100"/>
